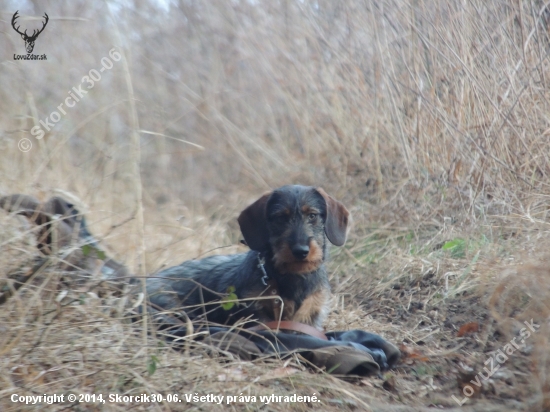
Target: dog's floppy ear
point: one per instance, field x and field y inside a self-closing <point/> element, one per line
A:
<point x="338" y="217"/>
<point x="22" y="204"/>
<point x="42" y="214"/>
<point x="253" y="223"/>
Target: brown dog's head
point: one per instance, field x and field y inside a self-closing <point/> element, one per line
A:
<point x="56" y="219"/>
<point x="292" y="222"/>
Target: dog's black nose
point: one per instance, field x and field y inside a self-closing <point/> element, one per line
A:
<point x="300" y="251"/>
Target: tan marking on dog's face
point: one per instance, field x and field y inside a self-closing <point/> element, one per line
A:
<point x="307" y="209"/>
<point x="283" y="213"/>
<point x="286" y="263"/>
<point x="314" y="309"/>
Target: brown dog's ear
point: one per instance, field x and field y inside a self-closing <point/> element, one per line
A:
<point x="253" y="223"/>
<point x="336" y="226"/>
<point x="42" y="214"/>
<point x="22" y="204"/>
<point x="27" y="206"/>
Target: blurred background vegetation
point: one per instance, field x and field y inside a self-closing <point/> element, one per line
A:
<point x="360" y="97"/>
<point x="383" y="103"/>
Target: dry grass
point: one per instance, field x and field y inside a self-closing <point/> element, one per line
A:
<point x="428" y="119"/>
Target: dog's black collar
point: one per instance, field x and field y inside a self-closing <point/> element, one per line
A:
<point x="261" y="266"/>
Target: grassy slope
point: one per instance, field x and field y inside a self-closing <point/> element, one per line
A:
<point x="428" y="119"/>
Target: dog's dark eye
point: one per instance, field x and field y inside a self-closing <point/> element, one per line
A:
<point x="312" y="216"/>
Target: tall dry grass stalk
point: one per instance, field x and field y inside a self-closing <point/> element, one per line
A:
<point x="139" y="261"/>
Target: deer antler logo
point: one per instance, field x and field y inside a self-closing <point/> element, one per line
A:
<point x="29" y="40"/>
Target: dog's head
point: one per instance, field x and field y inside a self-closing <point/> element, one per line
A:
<point x="292" y="222"/>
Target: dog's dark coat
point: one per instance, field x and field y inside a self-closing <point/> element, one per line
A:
<point x="288" y="230"/>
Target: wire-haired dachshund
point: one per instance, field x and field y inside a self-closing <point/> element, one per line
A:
<point x="287" y="231"/>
